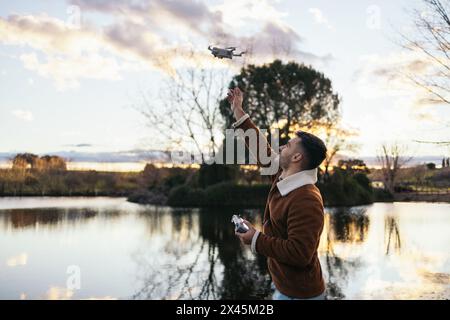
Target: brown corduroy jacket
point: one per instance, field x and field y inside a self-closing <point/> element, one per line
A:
<point x="292" y="226"/>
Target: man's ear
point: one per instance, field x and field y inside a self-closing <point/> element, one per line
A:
<point x="297" y="157"/>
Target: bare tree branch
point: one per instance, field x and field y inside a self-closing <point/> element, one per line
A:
<point x="392" y="158"/>
<point x="433" y="40"/>
<point x="190" y="113"/>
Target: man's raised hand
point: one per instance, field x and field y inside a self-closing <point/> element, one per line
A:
<point x="235" y="98"/>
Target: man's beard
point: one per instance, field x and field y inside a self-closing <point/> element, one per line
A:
<point x="284" y="163"/>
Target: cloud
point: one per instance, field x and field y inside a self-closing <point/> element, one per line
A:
<point x="80" y="145"/>
<point x="157" y="34"/>
<point x="240" y="13"/>
<point x="19" y="260"/>
<point x="388" y="78"/>
<point x="48" y="34"/>
<point x="58" y="293"/>
<point x="69" y="54"/>
<point x="320" y="18"/>
<point x="136" y="155"/>
<point x="67" y="72"/>
<point x="251" y="25"/>
<point x="159" y="14"/>
<point x="426" y="116"/>
<point x="391" y="76"/>
<point x="24" y="115"/>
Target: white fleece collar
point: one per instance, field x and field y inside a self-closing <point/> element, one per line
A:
<point x="297" y="180"/>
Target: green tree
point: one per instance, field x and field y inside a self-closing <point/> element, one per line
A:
<point x="353" y="165"/>
<point x="216" y="173"/>
<point x="289" y="96"/>
<point x="431" y="166"/>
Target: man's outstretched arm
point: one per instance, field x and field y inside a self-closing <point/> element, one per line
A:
<point x="243" y="121"/>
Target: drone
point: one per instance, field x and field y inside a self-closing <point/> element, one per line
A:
<point x="224" y="53"/>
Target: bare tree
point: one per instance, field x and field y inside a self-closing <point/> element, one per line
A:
<point x="392" y="158"/>
<point x="189" y="114"/>
<point x="432" y="39"/>
<point x="337" y="140"/>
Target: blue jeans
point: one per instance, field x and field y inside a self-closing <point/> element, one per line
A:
<point x="277" y="295"/>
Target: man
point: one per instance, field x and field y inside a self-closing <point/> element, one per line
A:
<point x="293" y="218"/>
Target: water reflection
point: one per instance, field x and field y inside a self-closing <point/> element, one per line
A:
<point x="342" y="225"/>
<point x="129" y="251"/>
<point x="41" y="217"/>
<point x="348" y="224"/>
<point x="206" y="260"/>
<point x="393" y="235"/>
<point x="243" y="275"/>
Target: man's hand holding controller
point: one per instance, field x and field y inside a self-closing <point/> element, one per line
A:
<point x="243" y="229"/>
<point x="239" y="225"/>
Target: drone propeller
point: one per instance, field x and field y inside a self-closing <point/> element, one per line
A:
<point x="240" y="54"/>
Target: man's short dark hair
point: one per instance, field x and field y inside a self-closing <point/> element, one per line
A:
<point x="315" y="149"/>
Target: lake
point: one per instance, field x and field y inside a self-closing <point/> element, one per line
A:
<point x="107" y="248"/>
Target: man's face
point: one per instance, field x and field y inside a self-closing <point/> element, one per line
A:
<point x="290" y="152"/>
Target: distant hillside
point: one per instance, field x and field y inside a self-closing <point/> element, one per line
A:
<point x="120" y="156"/>
<point x="371" y="161"/>
<point x="139" y="156"/>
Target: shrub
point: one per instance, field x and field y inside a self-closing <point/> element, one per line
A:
<point x="147" y="197"/>
<point x="346" y="189"/>
<point x="220" y="194"/>
<point x="216" y="173"/>
<point x="383" y="195"/>
<point x="230" y="194"/>
<point x="185" y="196"/>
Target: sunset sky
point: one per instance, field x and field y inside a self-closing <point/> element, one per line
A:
<point x="66" y="85"/>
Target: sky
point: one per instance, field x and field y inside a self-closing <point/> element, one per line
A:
<point x="71" y="71"/>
